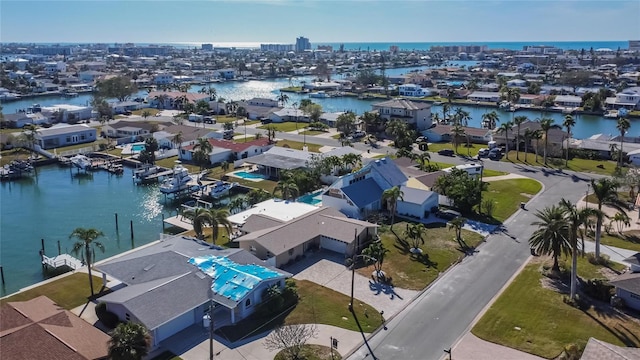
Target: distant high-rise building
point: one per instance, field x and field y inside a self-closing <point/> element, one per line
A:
<point x="207" y="47"/>
<point x="302" y="44"/>
<point x="276" y="47"/>
<point x="634" y="45"/>
<point x="394" y="49"/>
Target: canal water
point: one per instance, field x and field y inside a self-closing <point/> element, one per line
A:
<point x="52" y="204"/>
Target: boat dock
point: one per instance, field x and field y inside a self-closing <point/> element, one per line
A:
<point x="158" y="175"/>
<point x="63" y="260"/>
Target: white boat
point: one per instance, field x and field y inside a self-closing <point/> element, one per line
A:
<point x="318" y="94"/>
<point x="80" y="161"/>
<point x="178" y="181"/>
<point x="141" y="175"/>
<point x="220" y="189"/>
<point x="611" y="114"/>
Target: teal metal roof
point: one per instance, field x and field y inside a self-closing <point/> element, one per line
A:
<point x="230" y="279"/>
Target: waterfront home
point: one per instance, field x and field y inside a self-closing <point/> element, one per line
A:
<point x="65" y="135"/>
<point x="413" y="90"/>
<point x="277" y="159"/>
<point x="121" y="107"/>
<point x="227" y="74"/>
<point x="69" y="113"/>
<point x="281" y="242"/>
<point x="90" y="76"/>
<point x="442" y="133"/>
<point x="568" y="101"/>
<point x="329" y="85"/>
<point x="413" y="113"/>
<point x="330" y="118"/>
<point x="163" y="79"/>
<point x="484" y="96"/>
<point x="189" y="134"/>
<point x="173" y="99"/>
<point x="226" y="150"/>
<point x="259" y="108"/>
<point x="19" y="120"/>
<point x="556" y="139"/>
<point x="628" y="98"/>
<point x="129" y="131"/>
<point x="170" y="285"/>
<point x="288" y="114"/>
<point x="531" y="99"/>
<point x="40" y="329"/>
<point x="602" y="144"/>
<point x="53" y="67"/>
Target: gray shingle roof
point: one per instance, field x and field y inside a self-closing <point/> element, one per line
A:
<point x="628" y="281"/>
<point x="414" y="196"/>
<point x="402" y="104"/>
<point x="633" y="259"/>
<point x="389" y="171"/>
<point x="600" y="350"/>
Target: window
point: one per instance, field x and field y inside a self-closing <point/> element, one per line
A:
<point x="247" y="303"/>
<point x="127" y="316"/>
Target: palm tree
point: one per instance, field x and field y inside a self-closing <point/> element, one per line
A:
<point x="283" y="98"/>
<point x="504" y="128"/>
<point x="623" y="126"/>
<point x="457" y="133"/>
<point x="518" y="120"/>
<point x="606" y="193"/>
<point x="536" y="135"/>
<point x="423" y="159"/>
<point x="374" y="254"/>
<point x="85" y="246"/>
<point x="203" y="148"/>
<point x="569" y="122"/>
<point x="391" y="196"/>
<point x="457" y="224"/>
<point x="238" y="204"/>
<point x="545" y="125"/>
<point x="621" y="219"/>
<point x="416" y="233"/>
<point x="129" y="341"/>
<point x="526" y="137"/>
<point x="445" y="111"/>
<point x="287" y="187"/>
<point x="217" y="218"/>
<point x="551" y="237"/>
<point x="351" y="159"/>
<point x="199" y="217"/>
<point x="490" y="119"/>
<point x="574" y="217"/>
<point x="177" y="140"/>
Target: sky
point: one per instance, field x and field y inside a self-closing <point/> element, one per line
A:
<point x="322" y="21"/>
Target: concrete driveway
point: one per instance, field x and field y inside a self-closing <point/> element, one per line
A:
<point x="327" y="268"/>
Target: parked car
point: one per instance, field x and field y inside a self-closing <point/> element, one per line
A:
<point x="448" y="214"/>
<point x="358" y="134"/>
<point x="209" y="120"/>
<point x="483" y="152"/>
<point x="421" y="139"/>
<point x="446" y="152"/>
<point x="495" y="154"/>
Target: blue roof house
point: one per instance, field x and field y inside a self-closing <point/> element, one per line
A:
<point x="169" y="286"/>
<point x="359" y="193"/>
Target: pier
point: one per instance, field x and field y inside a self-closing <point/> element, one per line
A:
<point x="61" y="261"/>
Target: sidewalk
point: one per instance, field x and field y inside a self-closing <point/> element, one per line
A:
<point x="615" y="254"/>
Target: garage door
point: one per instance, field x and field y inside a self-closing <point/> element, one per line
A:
<point x="181" y="322"/>
<point x="333" y="245"/>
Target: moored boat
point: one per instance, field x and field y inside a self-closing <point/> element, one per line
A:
<point x="178" y="181"/>
<point x="220" y="189"/>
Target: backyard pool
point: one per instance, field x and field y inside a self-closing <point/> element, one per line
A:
<point x="137" y="147"/>
<point x="131" y="149"/>
<point x="314" y="198"/>
<point x="249" y="175"/>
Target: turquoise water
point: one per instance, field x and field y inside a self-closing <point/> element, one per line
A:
<point x="51" y="205"/>
<point x="312" y="199"/>
<point x="137" y="147"/>
<point x="247" y="175"/>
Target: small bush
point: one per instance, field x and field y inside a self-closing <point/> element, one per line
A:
<point x="599" y="289"/>
<point x="105" y="316"/>
<point x="604" y="259"/>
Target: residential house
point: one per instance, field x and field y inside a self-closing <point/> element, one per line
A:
<point x="415" y="114"/>
<point x="227" y="74"/>
<point x="65" y="135"/>
<point x="442" y="133"/>
<point x="226" y="150"/>
<point x="173" y="99"/>
<point x="627" y="285"/>
<point x="163" y="79"/>
<point x="40" y="329"/>
<point x="316" y="86"/>
<point x="69" y="113"/>
<point x="277" y="159"/>
<point x="19" y="120"/>
<point x="181" y="277"/>
<point x="531" y="99"/>
<point x="634" y="156"/>
<point x="413" y="90"/>
<point x="258" y="109"/>
<point x="132" y="130"/>
<point x="602" y="145"/>
<point x="416" y="202"/>
<point x="600" y="350"/>
<point x="90" y="76"/>
<point x="288" y="114"/>
<point x="330" y="118"/>
<point x="189" y="134"/>
<point x="568" y="100"/>
<point x="629" y="99"/>
<point x="556" y="139"/>
<point x="280" y="243"/>
<point x="53" y="67"/>
<point x="485" y="96"/>
<point x="123" y="106"/>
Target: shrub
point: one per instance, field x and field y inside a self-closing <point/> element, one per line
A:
<point x="604" y="259"/>
<point x="105" y="316"/>
<point x="599" y="289"/>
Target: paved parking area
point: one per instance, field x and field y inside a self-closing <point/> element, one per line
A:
<point x="327" y="269"/>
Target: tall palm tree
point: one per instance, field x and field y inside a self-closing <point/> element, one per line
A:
<point x="203" y="148"/>
<point x="526" y="137"/>
<point x="457" y="224"/>
<point x="552" y="235"/>
<point x="504" y="129"/>
<point x="391" y="197"/>
<point x="490" y="119"/>
<point x="423" y="158"/>
<point x="177" y="140"/>
<point x="518" y="120"/>
<point x="287" y="188"/>
<point x="574" y="217"/>
<point x="545" y="125"/>
<point x="218" y="218"/>
<point x="623" y="126"/>
<point x="199" y="217"/>
<point x="457" y="133"/>
<point x="536" y="135"/>
<point x="283" y="98"/>
<point x="351" y="159"/>
<point x="129" y="341"/>
<point x="606" y="193"/>
<point x="86" y="247"/>
<point x="569" y="123"/>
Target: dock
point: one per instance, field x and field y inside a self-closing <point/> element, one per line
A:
<point x="180" y="221"/>
<point x="63" y="260"/>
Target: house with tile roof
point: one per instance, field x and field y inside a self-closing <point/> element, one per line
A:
<point x="169" y="286"/>
<point x="280" y="242"/>
<point x="228" y="150"/>
<point x="40" y="329"/>
<point x="413" y="113"/>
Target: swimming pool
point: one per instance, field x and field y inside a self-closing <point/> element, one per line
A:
<point x="249" y="175"/>
<point x="311" y="199"/>
<point x="137" y="147"/>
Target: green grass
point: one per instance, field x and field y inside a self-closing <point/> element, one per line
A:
<point x="69" y="291"/>
<point x="298" y="145"/>
<point x="602" y="167"/>
<point x="623" y="196"/>
<point x="489" y="173"/>
<point x="336" y="136"/>
<point x="316" y="305"/>
<point x="627" y="240"/>
<point x="151" y="111"/>
<point x="462" y="148"/>
<point x="312" y="132"/>
<point x="546" y="323"/>
<point x="285" y="126"/>
<point x="508" y="194"/>
<point x="221" y="119"/>
<point x="409" y="271"/>
<point x="171" y="161"/>
<point x="312" y="352"/>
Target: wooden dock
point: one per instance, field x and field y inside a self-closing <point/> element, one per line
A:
<point x="63" y="260"/>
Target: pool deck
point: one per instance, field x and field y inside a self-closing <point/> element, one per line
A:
<point x="233" y="174"/>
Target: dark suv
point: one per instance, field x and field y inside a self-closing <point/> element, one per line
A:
<point x="446" y="152"/>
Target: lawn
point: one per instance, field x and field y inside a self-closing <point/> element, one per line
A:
<point x="312" y="132"/>
<point x="627" y="240"/>
<point x="534" y="319"/>
<point x="622" y="195"/>
<point x="508" y="194"/>
<point x="68" y="291"/>
<point x="462" y="148"/>
<point x="312" y="352"/>
<point x="171" y="161"/>
<point x="298" y="145"/>
<point x="285" y="126"/>
<point x="221" y="119"/>
<point x="408" y="271"/>
<point x="151" y="111"/>
<point x="489" y="173"/>
<point x="316" y="305"/>
<point x="602" y="167"/>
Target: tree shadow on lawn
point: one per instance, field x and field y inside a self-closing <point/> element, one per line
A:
<point x="624" y="335"/>
<point x="404" y="248"/>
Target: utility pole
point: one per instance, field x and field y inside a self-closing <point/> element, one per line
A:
<point x="353" y="267"/>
